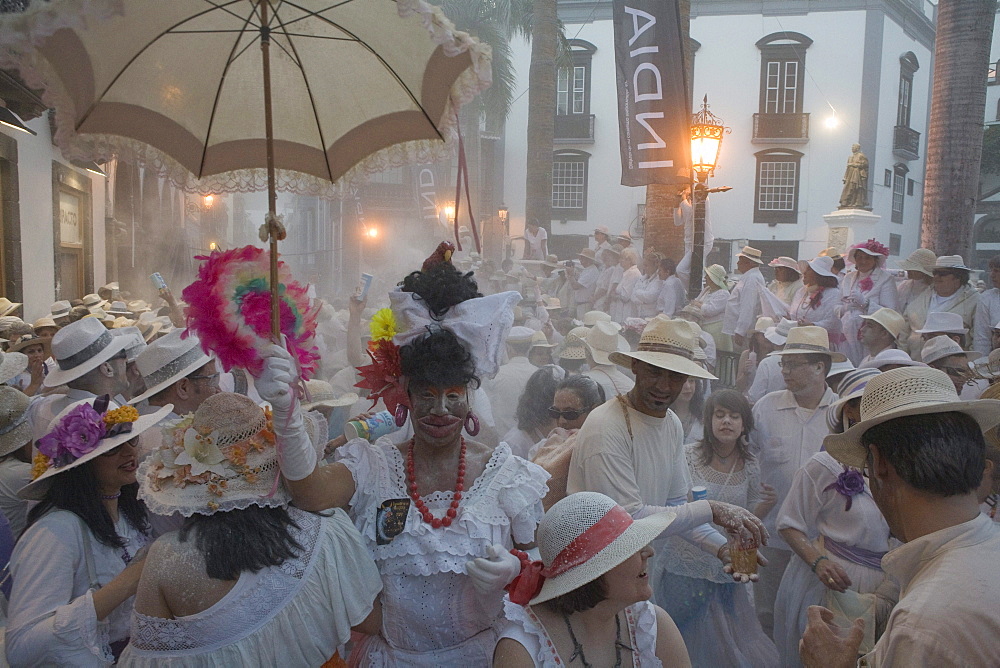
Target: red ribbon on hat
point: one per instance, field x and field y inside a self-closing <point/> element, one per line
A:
<point x="580" y="550"/>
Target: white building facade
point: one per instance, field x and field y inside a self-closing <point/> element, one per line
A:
<point x="797" y="85"/>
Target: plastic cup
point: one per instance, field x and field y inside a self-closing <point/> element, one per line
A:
<point x="743" y="554"/>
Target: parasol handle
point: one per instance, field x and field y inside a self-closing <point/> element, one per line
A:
<point x="274" y="231"/>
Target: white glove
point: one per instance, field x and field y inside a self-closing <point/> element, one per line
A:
<point x="493" y="574"/>
<point x="296" y="454"/>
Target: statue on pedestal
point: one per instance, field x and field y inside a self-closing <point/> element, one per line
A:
<point x="855" y="193"/>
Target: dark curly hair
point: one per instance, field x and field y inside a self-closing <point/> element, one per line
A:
<point x="441" y="287"/>
<point x="438" y="359"/>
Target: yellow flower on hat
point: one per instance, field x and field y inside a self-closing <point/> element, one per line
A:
<point x="119" y="415"/>
<point x="383" y="325"/>
<point x="39" y="465"/>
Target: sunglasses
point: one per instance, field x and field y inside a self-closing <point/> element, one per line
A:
<point x="555" y="414"/>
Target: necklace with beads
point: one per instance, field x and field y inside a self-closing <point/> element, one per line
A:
<point x="425" y="513"/>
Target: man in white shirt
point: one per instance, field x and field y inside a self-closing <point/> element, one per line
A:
<point x="672" y="297"/>
<point x="924" y="454"/>
<point x="880" y="331"/>
<point x="602" y="340"/>
<point x="584" y="281"/>
<point x="791" y="424"/>
<point x="743" y="306"/>
<point x="602" y="241"/>
<point x="631" y="447"/>
<point x="988" y="311"/>
<point x="505" y="389"/>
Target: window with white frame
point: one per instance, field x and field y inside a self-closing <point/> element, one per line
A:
<point x="898" y="192"/>
<point x="569" y="184"/>
<point x="776" y="196"/>
<point x="782" y="75"/>
<point x="573" y="82"/>
<point x="908" y="65"/>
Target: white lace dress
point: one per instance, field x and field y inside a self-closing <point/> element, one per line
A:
<point x="714" y="614"/>
<point x="524" y="627"/>
<point x="296" y="614"/>
<point x="432" y="615"/>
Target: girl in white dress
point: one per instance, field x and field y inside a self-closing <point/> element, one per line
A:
<point x="248" y="580"/>
<point x="864" y="290"/>
<point x="831" y="522"/>
<point x="714" y="614"/>
<point x="817" y="300"/>
<point x="591" y="607"/>
<point x="438" y="513"/>
<point x="77" y="564"/>
<point x="712" y="306"/>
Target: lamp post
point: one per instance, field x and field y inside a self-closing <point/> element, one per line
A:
<point x="503" y="217"/>
<point x="706" y="143"/>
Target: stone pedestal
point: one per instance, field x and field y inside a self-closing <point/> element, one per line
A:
<point x="847" y="227"/>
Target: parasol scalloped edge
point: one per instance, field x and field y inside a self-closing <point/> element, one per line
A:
<point x="229" y="309"/>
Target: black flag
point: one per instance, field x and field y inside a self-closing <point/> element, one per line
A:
<point x="653" y="111"/>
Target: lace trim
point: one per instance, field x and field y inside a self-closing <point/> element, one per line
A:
<point x="39" y="21"/>
<point x="525" y="617"/>
<point x="248" y="611"/>
<point x="503" y="502"/>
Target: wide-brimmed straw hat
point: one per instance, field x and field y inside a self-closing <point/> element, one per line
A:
<point x="921" y="260"/>
<point x="951" y="262"/>
<point x="539" y="340"/>
<point x="889" y="319"/>
<point x="778" y="334"/>
<point x="939" y="347"/>
<point x="809" y="340"/>
<point x="667" y="344"/>
<point x="80" y="347"/>
<point x="890" y="356"/>
<point x="822" y="265"/>
<point x="231" y="439"/>
<point x="831" y="252"/>
<point x="604" y="339"/>
<point x="321" y="393"/>
<point x="7" y="307"/>
<point x="787" y="263"/>
<point x="591" y="318"/>
<point x="942" y="322"/>
<point x="901" y="393"/>
<point x="22" y="342"/>
<point x="585" y="535"/>
<point x="44" y="322"/>
<point x="83" y="431"/>
<point x="551" y="260"/>
<point x="574" y="346"/>
<point x="717" y="274"/>
<point x="588" y="253"/>
<point x="167" y="360"/>
<point x="752" y="254"/>
<point x="15" y="427"/>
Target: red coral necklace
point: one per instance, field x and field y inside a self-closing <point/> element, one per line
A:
<point x="425" y="513"/>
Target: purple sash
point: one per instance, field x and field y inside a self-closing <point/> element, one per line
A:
<point x="855" y="555"/>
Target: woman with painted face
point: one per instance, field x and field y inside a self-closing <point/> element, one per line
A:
<point x="439" y="512"/>
<point x="836" y="531"/>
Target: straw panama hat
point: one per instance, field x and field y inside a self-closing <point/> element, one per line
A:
<point x="44" y="322"/>
<point x="778" y="334"/>
<point x="80" y="347"/>
<point x="11" y="364"/>
<point x="889" y="319"/>
<point x="591" y="318"/>
<point x="551" y="260"/>
<point x="23" y="342"/>
<point x="573" y="555"/>
<point x="752" y="254"/>
<point x="822" y="265"/>
<point x="520" y="334"/>
<point x="921" y="260"/>
<point x="830" y="251"/>
<point x="603" y="229"/>
<point x="7" y="306"/>
<point x="148" y="325"/>
<point x="838" y="368"/>
<point x="167" y="360"/>
<point x="809" y="340"/>
<point x="850" y="387"/>
<point x="942" y="321"/>
<point x="587" y="253"/>
<point x="890" y="356"/>
<point x="93" y="301"/>
<point x="15" y="427"/>
<point x="604" y="339"/>
<point x="539" y="340"/>
<point x="951" y="262"/>
<point x="118" y="308"/>
<point x="136" y="344"/>
<point x="942" y="346"/>
<point x="900" y="393"/>
<point x="667" y="344"/>
<point x="763" y="322"/>
<point x="61" y="309"/>
<point x="321" y="393"/>
<point x="717" y="274"/>
<point x="36" y="489"/>
<point x="787" y="262"/>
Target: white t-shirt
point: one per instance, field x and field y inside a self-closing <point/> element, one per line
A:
<point x="534" y="243"/>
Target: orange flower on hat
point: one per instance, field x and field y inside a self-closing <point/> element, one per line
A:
<point x="119" y="415"/>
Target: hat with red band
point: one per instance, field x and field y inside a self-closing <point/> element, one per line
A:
<point x="584" y="536"/>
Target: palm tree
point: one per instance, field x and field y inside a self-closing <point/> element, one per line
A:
<point x="546" y="31"/>
<point x="955" y="132"/>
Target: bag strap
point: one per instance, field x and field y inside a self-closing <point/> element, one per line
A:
<point x="628" y="422"/>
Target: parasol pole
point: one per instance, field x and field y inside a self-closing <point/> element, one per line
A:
<point x="273" y="228"/>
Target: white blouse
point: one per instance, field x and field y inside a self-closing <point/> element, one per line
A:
<point x="822" y="315"/>
<point x="296" y="614"/>
<point x="431" y="612"/>
<point x="52" y="619"/>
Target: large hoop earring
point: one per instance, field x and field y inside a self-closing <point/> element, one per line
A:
<point x="400" y="416"/>
<point x="471" y="423"/>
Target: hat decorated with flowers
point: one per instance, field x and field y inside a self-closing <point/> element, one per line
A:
<point x="222" y="457"/>
<point x="82" y="431"/>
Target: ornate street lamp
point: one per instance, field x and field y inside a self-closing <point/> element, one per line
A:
<point x="503" y="215"/>
<point x="706" y="144"/>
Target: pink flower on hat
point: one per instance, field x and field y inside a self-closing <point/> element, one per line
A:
<point x="873" y="246"/>
<point x="77" y="434"/>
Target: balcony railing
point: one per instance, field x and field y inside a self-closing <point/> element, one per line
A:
<point x="781" y="128"/>
<point x="574" y="129"/>
<point x="905" y="142"/>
